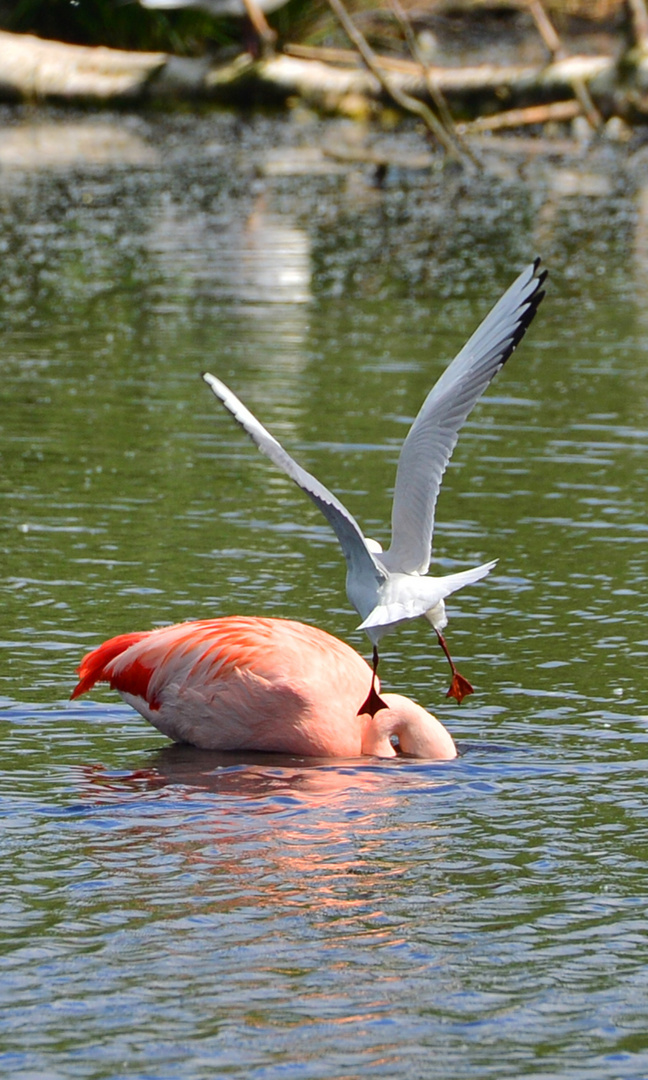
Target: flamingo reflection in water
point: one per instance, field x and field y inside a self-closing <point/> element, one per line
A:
<point x="275" y="835"/>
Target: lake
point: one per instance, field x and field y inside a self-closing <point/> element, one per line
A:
<point x="168" y="913"/>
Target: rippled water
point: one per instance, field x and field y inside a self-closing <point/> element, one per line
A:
<point x="170" y="913"/>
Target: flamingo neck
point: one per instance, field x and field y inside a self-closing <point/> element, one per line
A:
<point x="418" y="732"/>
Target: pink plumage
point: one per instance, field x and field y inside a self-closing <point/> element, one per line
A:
<point x="259" y="684"/>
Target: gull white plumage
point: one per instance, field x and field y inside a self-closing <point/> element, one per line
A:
<point x="216" y="8"/>
<point x="391" y="587"/>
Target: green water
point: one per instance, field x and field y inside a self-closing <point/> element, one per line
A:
<point x="168" y="913"/>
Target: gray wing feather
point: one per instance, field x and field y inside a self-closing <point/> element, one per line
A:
<point x="359" y="558"/>
<point x="433" y="436"/>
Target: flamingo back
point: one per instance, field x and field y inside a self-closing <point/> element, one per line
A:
<point x="239" y="683"/>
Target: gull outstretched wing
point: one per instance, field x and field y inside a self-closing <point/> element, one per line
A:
<point x="433" y="435"/>
<point x="360" y="561"/>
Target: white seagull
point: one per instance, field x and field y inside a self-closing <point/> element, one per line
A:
<point x="254" y="10"/>
<point x="390" y="587"/>
<point x="213" y="7"/>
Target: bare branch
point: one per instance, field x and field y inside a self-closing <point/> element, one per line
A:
<point x="433" y="89"/>
<point x="639" y="21"/>
<point x="265" y="33"/>
<point x="405" y="101"/>
<point x="534" y="114"/>
<point x="557" y="50"/>
<point x="546" y="29"/>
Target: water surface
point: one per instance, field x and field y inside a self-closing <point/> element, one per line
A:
<point x="168" y="913"/>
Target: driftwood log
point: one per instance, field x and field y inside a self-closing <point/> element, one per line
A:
<point x="34" y="69"/>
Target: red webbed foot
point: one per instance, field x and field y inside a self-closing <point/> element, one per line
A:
<point x="459" y="688"/>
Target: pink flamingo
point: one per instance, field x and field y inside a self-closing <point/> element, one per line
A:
<point x="242" y="683"/>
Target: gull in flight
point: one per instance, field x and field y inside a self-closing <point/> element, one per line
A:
<point x="390" y="587"/>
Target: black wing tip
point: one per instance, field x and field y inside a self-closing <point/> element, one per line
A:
<point x="539" y="278"/>
<point x="532" y="302"/>
<point x="535" y="298"/>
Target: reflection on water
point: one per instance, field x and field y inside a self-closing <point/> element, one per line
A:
<point x="249" y="775"/>
<point x="168" y="912"/>
<point x="63" y="146"/>
<point x="263" y="259"/>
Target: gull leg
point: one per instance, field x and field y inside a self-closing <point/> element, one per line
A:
<point x="374" y="702"/>
<point x="459" y="687"/>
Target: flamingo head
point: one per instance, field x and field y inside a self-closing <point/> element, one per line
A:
<point x="418" y="732"/>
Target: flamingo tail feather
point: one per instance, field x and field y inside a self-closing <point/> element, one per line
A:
<point x="92" y="668"/>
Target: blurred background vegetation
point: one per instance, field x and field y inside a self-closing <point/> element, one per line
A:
<point x="125" y="24"/>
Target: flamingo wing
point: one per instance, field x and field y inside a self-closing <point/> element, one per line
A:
<point x="144" y="664"/>
<point x="433" y="436"/>
<point x="239" y="683"/>
<point x="360" y="561"/>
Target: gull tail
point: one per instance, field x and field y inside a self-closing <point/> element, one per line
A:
<point x="437" y="614"/>
<point x="426" y="600"/>
<point x="452" y="582"/>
